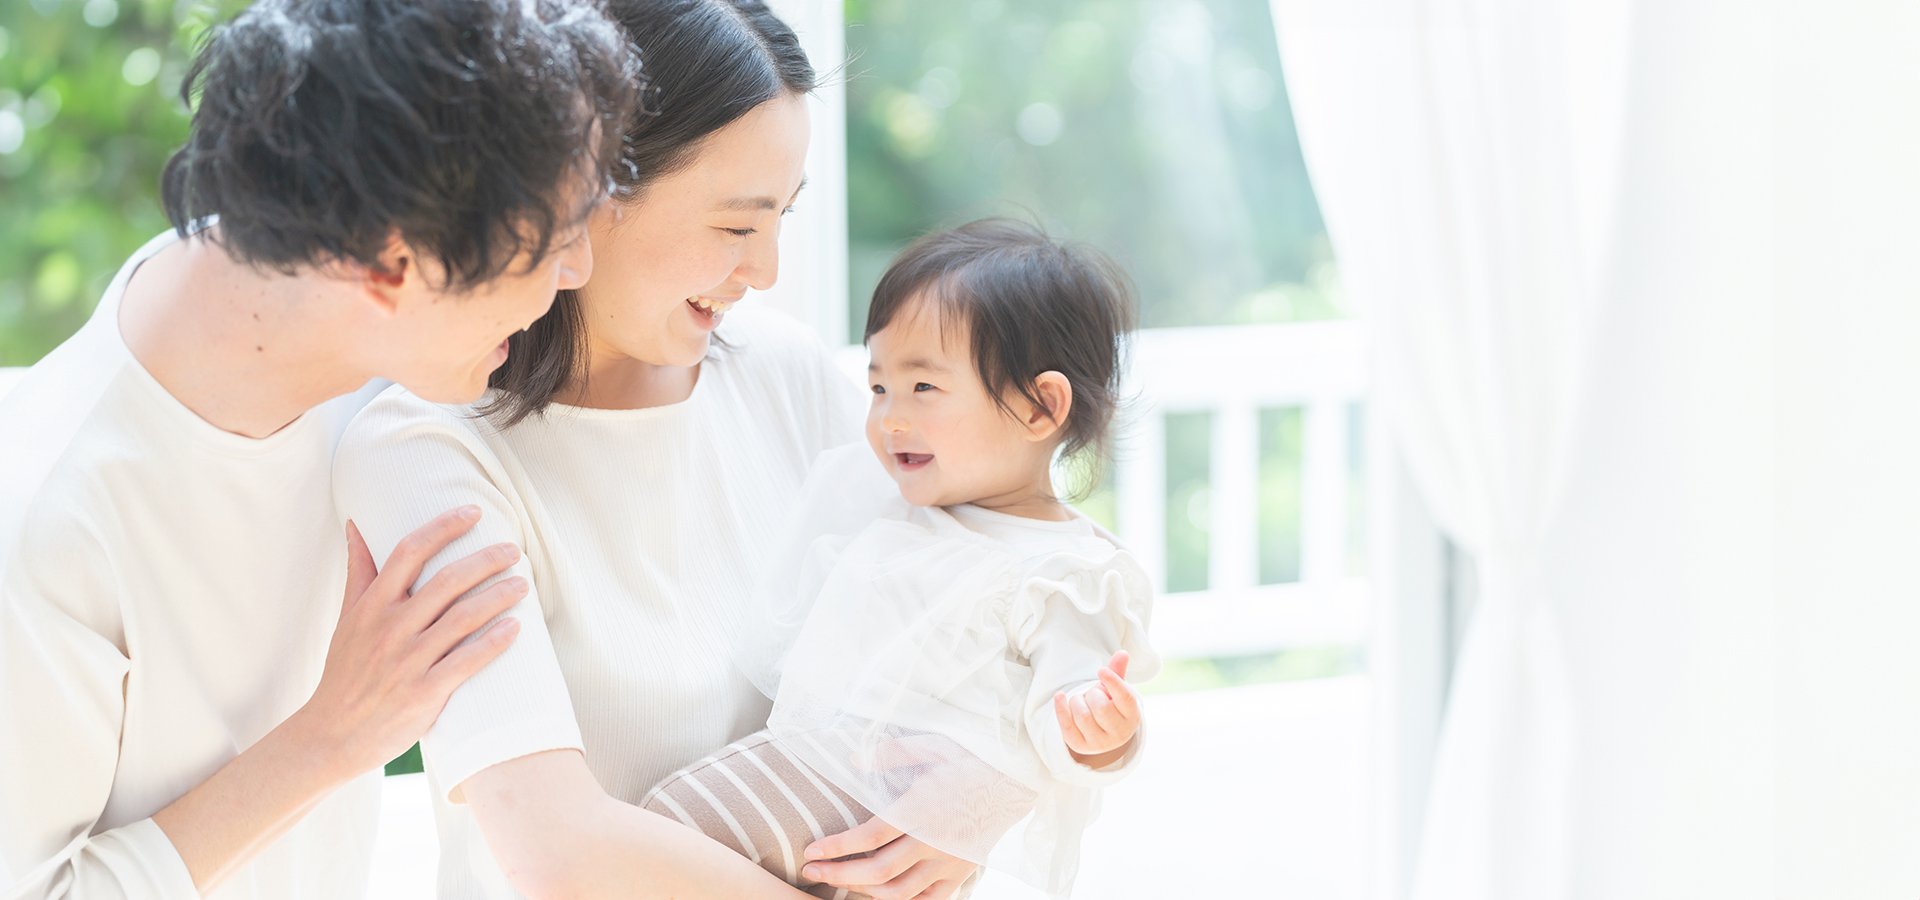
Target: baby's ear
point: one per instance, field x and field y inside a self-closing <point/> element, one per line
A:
<point x="1056" y="402"/>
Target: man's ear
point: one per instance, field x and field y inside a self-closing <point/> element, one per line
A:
<point x="1056" y="396"/>
<point x="389" y="278"/>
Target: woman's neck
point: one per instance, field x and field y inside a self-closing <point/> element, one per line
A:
<point x="617" y="381"/>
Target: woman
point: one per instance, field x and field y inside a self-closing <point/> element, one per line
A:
<point x="640" y="464"/>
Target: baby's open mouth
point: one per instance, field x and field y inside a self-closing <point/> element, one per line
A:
<point x="912" y="460"/>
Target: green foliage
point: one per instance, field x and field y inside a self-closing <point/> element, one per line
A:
<point x="1280" y="494"/>
<point x="1158" y="131"/>
<point x="1189" y="452"/>
<point x="407" y="763"/>
<point x="89" y="112"/>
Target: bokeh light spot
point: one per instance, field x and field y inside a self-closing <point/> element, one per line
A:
<point x="141" y="66"/>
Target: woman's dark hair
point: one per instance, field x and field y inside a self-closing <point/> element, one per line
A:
<point x="1031" y="304"/>
<point x="467" y="126"/>
<point x="706" y="63"/>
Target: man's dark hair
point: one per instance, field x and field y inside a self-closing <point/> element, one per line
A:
<point x="467" y="126"/>
<point x="1031" y="304"/>
<point x="708" y="63"/>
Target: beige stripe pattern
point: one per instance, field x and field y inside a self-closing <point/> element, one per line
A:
<point x="755" y="798"/>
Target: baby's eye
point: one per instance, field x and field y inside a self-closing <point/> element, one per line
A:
<point x="879" y="390"/>
<point x="922" y="386"/>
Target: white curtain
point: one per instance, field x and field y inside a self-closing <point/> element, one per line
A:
<point x="1464" y="154"/>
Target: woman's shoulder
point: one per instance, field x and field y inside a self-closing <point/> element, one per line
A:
<point x="768" y="341"/>
<point x="754" y="329"/>
<point x="399" y="418"/>
<point x="776" y="364"/>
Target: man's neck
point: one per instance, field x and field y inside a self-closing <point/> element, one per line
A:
<point x="247" y="351"/>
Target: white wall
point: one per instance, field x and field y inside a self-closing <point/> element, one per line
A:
<point x="1847" y="563"/>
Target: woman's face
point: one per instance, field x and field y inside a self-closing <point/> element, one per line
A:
<point x="669" y="264"/>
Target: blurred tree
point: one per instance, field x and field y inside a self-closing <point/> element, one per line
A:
<point x="1157" y="130"/>
<point x="89" y="112"/>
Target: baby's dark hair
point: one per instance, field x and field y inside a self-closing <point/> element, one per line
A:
<point x="1032" y="304"/>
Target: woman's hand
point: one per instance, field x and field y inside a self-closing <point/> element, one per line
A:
<point x="396" y="655"/>
<point x="1100" y="722"/>
<point x="901" y="867"/>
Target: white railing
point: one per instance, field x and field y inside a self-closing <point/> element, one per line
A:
<point x="1233" y="373"/>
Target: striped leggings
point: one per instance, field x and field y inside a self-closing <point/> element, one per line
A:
<point x="755" y="798"/>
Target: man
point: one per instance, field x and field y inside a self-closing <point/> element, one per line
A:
<point x="372" y="189"/>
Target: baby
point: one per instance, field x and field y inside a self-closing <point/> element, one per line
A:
<point x="945" y="641"/>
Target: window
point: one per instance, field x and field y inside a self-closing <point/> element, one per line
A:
<point x="1157" y="131"/>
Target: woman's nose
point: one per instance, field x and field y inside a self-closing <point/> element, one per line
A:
<point x="760" y="267"/>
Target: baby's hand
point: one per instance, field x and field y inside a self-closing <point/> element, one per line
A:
<point x="1100" y="722"/>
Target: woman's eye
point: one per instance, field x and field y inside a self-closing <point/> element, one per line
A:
<point x="741" y="232"/>
<point x="922" y="386"/>
<point x="787" y="210"/>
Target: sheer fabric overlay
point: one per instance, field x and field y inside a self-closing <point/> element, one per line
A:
<point x="898" y="644"/>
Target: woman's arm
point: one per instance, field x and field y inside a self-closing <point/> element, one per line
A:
<point x="556" y="833"/>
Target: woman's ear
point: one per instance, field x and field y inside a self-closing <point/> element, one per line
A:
<point x="1056" y="394"/>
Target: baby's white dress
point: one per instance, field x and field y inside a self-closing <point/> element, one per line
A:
<point x="913" y="654"/>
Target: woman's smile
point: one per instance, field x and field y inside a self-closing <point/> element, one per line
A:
<point x="707" y="311"/>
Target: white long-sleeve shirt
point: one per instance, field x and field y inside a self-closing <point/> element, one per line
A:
<point x="167" y="594"/>
<point x="880" y="626"/>
<point x="642" y="532"/>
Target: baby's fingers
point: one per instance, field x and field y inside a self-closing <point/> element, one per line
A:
<point x="1125" y="699"/>
<point x="1112" y="723"/>
<point x="1096" y="736"/>
<point x="1069" y="729"/>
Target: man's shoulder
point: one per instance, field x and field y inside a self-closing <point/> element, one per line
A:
<point x="56" y="427"/>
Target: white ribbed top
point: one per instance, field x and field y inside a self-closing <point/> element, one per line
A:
<point x="642" y="531"/>
<point x="167" y="594"/>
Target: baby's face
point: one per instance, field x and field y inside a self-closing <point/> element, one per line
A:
<point x="933" y="424"/>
